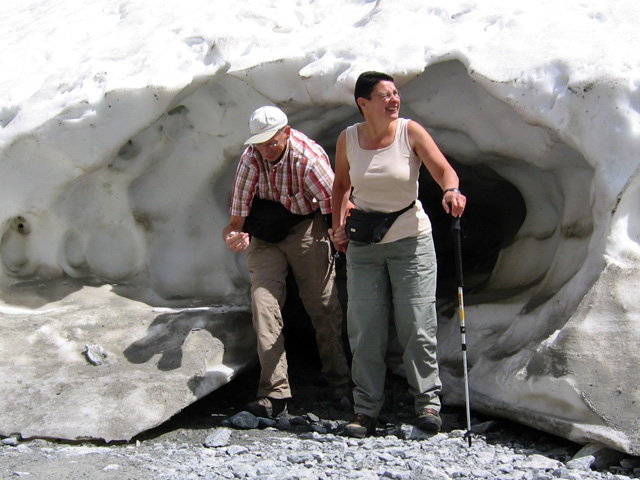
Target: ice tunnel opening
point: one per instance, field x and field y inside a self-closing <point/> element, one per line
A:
<point x="495" y="213"/>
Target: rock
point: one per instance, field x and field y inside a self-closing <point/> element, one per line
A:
<point x="581" y="463"/>
<point x="244" y="420"/>
<point x="283" y="423"/>
<point x="300" y="457"/>
<point x="428" y="472"/>
<point x="159" y="362"/>
<point x="12" y="441"/>
<point x="313" y="418"/>
<point x="601" y="457"/>
<point x="95" y="354"/>
<point x="219" y="438"/>
<point x="540" y="462"/>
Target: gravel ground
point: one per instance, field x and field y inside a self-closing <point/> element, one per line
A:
<point x="211" y="440"/>
<point x="215" y="439"/>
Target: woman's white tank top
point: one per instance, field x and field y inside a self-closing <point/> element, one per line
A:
<point x="386" y="180"/>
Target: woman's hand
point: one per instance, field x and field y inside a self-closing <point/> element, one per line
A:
<point x="339" y="238"/>
<point x="454" y="202"/>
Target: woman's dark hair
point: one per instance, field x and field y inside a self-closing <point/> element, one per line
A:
<point x="365" y="84"/>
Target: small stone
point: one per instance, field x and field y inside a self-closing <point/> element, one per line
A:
<point x="319" y="429"/>
<point x="566" y="474"/>
<point x="540" y="462"/>
<point x="603" y="457"/>
<point x="283" y="423"/>
<point x="266" y="422"/>
<point x="219" y="438"/>
<point x="417" y="434"/>
<point x="630" y="463"/>
<point x="300" y="457"/>
<point x="11" y="441"/>
<point x="386" y="457"/>
<point x="427" y="472"/>
<point x="244" y="420"/>
<point x="236" y="450"/>
<point x="581" y="463"/>
<point x="297" y="420"/>
<point x="313" y="417"/>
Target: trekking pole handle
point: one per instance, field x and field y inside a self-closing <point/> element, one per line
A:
<point x="455" y="227"/>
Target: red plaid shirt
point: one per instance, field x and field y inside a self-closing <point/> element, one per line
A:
<point x="301" y="180"/>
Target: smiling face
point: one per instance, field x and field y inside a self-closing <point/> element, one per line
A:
<point x="384" y="100"/>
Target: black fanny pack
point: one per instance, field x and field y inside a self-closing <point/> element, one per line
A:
<point x="370" y="227"/>
<point x="271" y="221"/>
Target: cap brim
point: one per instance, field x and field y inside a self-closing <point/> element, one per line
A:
<point x="264" y="136"/>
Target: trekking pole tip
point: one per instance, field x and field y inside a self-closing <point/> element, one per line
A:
<point x="467" y="435"/>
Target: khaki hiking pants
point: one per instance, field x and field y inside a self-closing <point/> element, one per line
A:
<point x="307" y="252"/>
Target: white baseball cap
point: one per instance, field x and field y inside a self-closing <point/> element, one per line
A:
<point x="265" y="123"/>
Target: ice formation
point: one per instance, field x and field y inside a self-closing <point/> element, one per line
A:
<point x="121" y="124"/>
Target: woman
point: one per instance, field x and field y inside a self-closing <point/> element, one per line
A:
<point x="380" y="160"/>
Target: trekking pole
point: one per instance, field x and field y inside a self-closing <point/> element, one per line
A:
<point x="455" y="227"/>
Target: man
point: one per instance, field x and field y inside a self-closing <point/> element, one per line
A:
<point x="284" y="166"/>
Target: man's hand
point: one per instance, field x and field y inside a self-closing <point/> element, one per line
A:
<point x="237" y="241"/>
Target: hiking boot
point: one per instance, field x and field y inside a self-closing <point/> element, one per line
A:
<point x="360" y="426"/>
<point x="429" y="420"/>
<point x="266" y="407"/>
